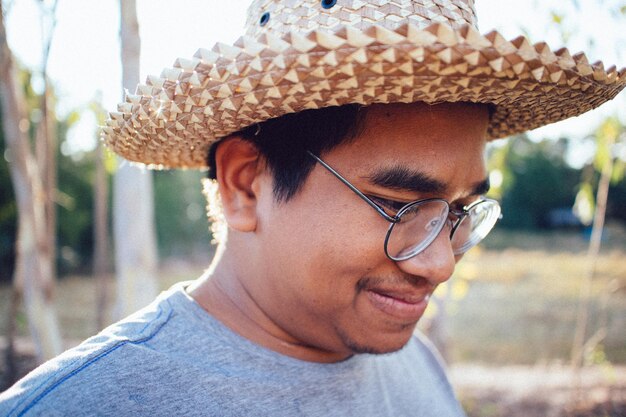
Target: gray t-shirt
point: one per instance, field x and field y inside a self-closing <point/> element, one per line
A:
<point x="173" y="359"/>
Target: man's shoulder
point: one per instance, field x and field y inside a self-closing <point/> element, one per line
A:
<point x="96" y="363"/>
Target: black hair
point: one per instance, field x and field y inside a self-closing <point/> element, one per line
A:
<point x="284" y="141"/>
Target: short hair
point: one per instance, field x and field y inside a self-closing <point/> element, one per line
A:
<point x="284" y="141"/>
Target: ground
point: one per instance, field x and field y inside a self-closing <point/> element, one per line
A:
<point x="541" y="391"/>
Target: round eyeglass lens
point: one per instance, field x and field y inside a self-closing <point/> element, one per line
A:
<point x="418" y="225"/>
<point x="481" y="218"/>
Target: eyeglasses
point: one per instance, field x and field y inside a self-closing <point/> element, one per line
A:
<point x="416" y="225"/>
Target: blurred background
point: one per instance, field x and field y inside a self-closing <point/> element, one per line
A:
<point x="534" y="320"/>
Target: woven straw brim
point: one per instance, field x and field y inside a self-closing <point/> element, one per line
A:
<point x="172" y="120"/>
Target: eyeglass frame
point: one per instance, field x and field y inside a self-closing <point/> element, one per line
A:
<point x="460" y="214"/>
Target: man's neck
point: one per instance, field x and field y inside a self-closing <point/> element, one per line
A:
<point x="222" y="293"/>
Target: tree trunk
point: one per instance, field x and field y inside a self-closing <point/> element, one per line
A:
<point x="46" y="149"/>
<point x="101" y="239"/>
<point x="579" y="345"/>
<point x="48" y="169"/>
<point x="31" y="264"/>
<point x="133" y="206"/>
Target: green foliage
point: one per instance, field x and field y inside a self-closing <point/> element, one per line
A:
<point x="606" y="136"/>
<point x="619" y="170"/>
<point x="74" y="202"/>
<point x="73" y="117"/>
<point x="181" y="222"/>
<point x="75" y="213"/>
<point x="584" y="205"/>
<point x="8" y="215"/>
<point x="536" y="180"/>
<point x="617" y="201"/>
<point x="557" y="18"/>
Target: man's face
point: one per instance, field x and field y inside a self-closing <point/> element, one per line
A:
<point x="324" y="276"/>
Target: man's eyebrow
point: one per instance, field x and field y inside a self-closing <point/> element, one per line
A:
<point x="482" y="187"/>
<point x="404" y="179"/>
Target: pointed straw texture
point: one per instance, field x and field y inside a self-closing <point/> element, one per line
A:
<point x="308" y="57"/>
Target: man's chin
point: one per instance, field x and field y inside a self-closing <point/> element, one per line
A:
<point x="374" y="350"/>
<point x="377" y="346"/>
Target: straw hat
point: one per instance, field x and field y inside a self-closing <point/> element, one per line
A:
<point x="310" y="54"/>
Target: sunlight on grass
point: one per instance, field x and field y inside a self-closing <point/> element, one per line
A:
<point x="518" y="304"/>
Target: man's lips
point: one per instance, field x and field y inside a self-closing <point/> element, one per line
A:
<point x="404" y="305"/>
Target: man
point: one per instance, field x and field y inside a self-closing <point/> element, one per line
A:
<point x="347" y="198"/>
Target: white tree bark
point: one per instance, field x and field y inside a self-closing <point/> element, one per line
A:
<point x="32" y="264"/>
<point x="46" y="147"/>
<point x="580" y="344"/>
<point x="101" y="239"/>
<point x="133" y="202"/>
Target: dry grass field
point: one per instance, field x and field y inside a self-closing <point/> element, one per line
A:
<point x="511" y="317"/>
<point x="511" y="309"/>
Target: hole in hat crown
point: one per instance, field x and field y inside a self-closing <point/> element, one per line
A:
<point x="327" y="4"/>
<point x="265" y="17"/>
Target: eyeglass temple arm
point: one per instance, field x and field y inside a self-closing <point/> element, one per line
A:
<point x="380" y="211"/>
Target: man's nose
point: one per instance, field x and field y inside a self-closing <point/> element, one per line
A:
<point x="435" y="263"/>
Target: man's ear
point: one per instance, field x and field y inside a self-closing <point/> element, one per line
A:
<point x="238" y="168"/>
